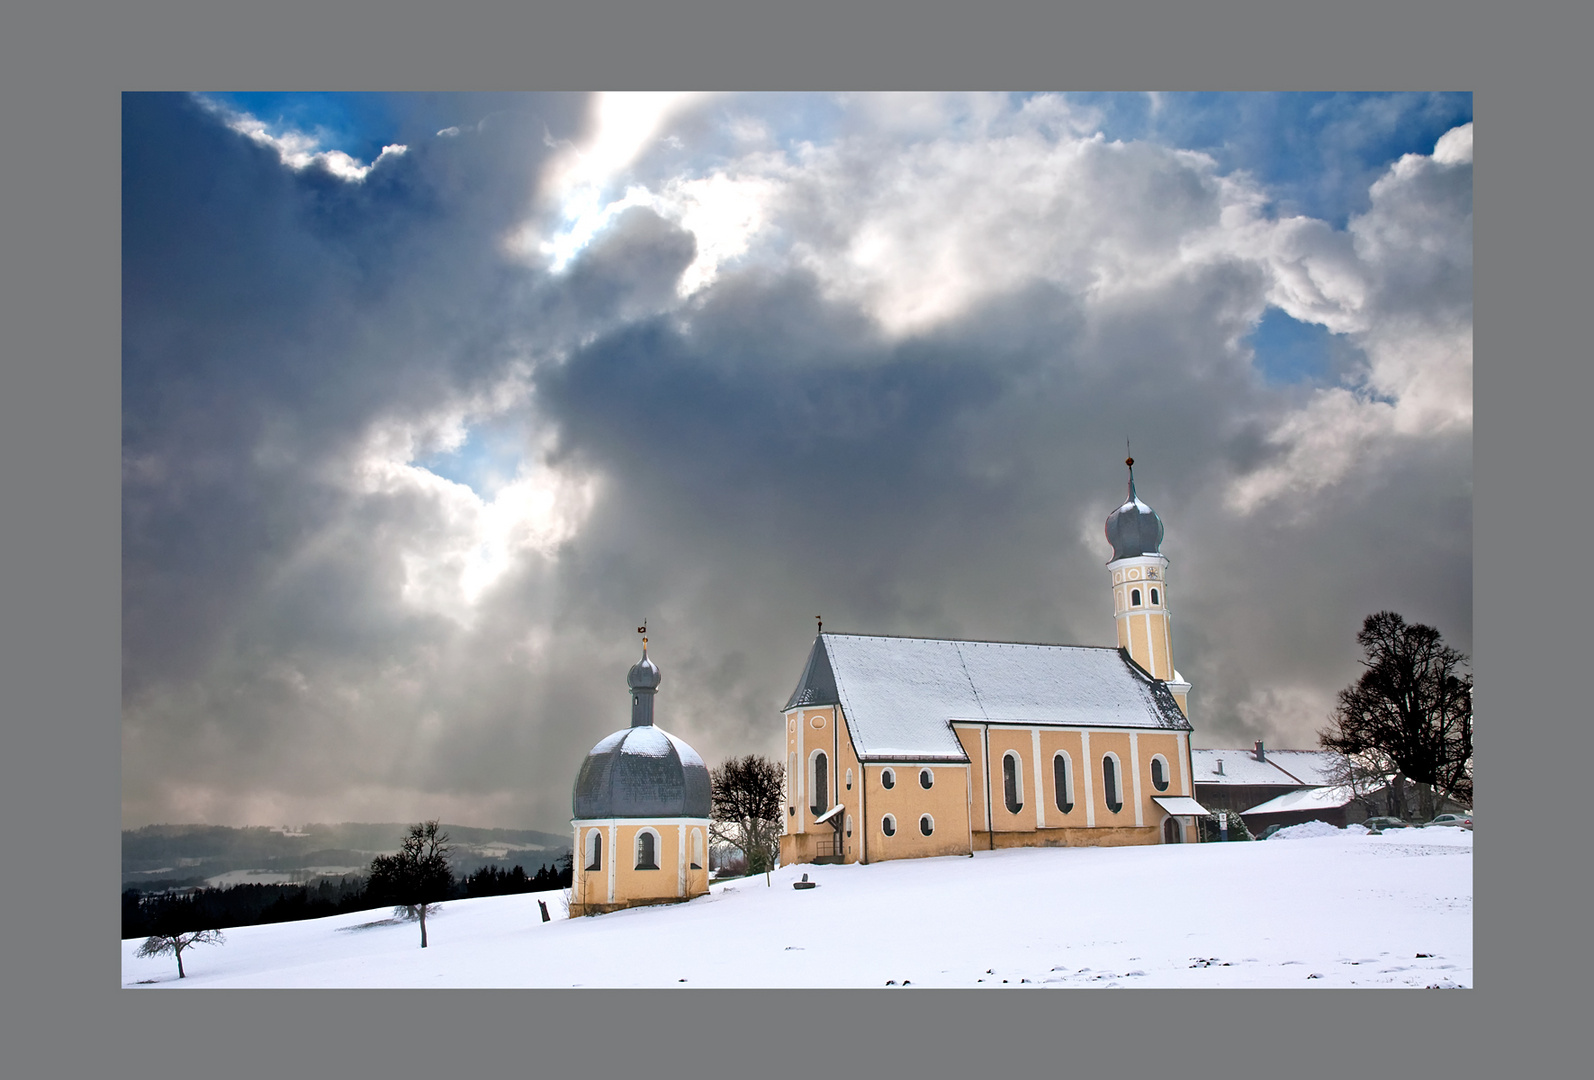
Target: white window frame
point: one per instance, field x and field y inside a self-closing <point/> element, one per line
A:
<point x="922" y="819"/>
<point x="1117" y="785"/>
<point x="698" y="852"/>
<point x="849" y="779"/>
<point x="1154" y="595"/>
<point x="1018" y="781"/>
<point x="813" y="778"/>
<point x="1167" y="773"/>
<point x="1134" y="597"/>
<point x="594" y="840"/>
<point x="888" y="778"/>
<point x="923" y="772"/>
<point x="1067" y="790"/>
<point x="892" y="818"/>
<point x="849" y="825"/>
<point x="636" y="848"/>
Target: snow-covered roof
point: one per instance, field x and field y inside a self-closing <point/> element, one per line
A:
<point x="1240" y="768"/>
<point x="900" y="695"/>
<point x="1315" y="767"/>
<point x="1312" y="798"/>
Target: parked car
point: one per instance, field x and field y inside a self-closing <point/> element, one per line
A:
<point x="1270" y="830"/>
<point x="1379" y="824"/>
<point x="1463" y="821"/>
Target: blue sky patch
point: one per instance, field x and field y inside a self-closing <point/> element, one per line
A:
<point x="485" y="462"/>
<point x="1290" y="351"/>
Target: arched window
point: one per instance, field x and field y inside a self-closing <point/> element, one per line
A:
<point x="1063" y="781"/>
<point x="849" y="779"/>
<point x="888" y="825"/>
<point x="697" y="849"/>
<point x="1109" y="783"/>
<point x="819" y="783"/>
<point x="1012" y="783"/>
<point x="1134" y="597"/>
<point x="1159" y="772"/>
<point x="926" y="779"/>
<point x="595" y="849"/>
<point x="888" y="780"/>
<point x="647" y="850"/>
<point x="849" y="824"/>
<point x="1153" y="596"/>
<point x="926" y="824"/>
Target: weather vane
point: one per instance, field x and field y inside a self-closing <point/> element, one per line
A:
<point x="821" y="623"/>
<point x="643" y="630"/>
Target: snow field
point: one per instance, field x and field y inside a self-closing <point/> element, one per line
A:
<point x="1334" y="910"/>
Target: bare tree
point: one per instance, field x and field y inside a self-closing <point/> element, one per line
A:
<point x="748" y="803"/>
<point x="418" y="878"/>
<point x="1413" y="706"/>
<point x="175" y="942"/>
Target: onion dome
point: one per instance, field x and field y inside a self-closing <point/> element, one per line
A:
<point x="1134" y="528"/>
<point x="642" y="771"/>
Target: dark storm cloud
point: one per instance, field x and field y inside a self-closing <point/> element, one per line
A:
<point x="734" y="463"/>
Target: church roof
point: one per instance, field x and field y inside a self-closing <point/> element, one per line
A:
<point x="900" y="695"/>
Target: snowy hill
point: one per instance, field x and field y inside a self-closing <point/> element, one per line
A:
<point x="1339" y="910"/>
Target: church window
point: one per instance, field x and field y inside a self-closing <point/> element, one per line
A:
<point x="1012" y="783"/>
<point x="926" y="824"/>
<point x="1134" y="597"/>
<point x="697" y="849"/>
<point x="1159" y="772"/>
<point x="819" y="800"/>
<point x="926" y="779"/>
<point x="595" y="850"/>
<point x="791" y="782"/>
<point x="849" y="824"/>
<point x="1153" y="596"/>
<point x="1110" y="788"/>
<point x="888" y="780"/>
<point x="1063" y="781"/>
<point x="647" y="850"/>
<point x="849" y="779"/>
<point x="888" y="825"/>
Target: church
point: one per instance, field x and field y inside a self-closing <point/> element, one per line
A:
<point x="900" y="747"/>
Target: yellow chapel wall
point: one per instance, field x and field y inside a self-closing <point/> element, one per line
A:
<point x="673" y="880"/>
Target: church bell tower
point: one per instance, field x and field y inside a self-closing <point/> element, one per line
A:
<point x="1140" y="589"/>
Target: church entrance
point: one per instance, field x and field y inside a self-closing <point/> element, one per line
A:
<point x="1172" y="831"/>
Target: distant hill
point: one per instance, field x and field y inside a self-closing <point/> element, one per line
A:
<point x="169" y="856"/>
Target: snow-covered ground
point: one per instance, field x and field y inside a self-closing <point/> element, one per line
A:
<point x="1338" y="910"/>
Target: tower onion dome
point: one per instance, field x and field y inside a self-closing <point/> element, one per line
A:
<point x="1134" y="528"/>
<point x="642" y="771"/>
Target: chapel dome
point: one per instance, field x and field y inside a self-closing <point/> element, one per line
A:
<point x="641" y="772"/>
<point x="1134" y="528"/>
<point x="644" y="674"/>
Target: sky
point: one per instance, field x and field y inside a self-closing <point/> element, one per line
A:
<point x="430" y="400"/>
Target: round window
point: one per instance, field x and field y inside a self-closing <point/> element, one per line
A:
<point x="926" y="779"/>
<point x="888" y="780"/>
<point x="888" y="825"/>
<point x="927" y="824"/>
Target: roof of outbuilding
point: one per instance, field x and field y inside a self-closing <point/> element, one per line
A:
<point x="1312" y="798"/>
<point x="1315" y="767"/>
<point x="900" y="695"/>
<point x="1240" y="768"/>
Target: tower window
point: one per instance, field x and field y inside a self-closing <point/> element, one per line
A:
<point x="647" y="850"/>
<point x="818" y="796"/>
<point x="926" y="779"/>
<point x="926" y="824"/>
<point x="888" y="780"/>
<point x="1110" y="789"/>
<point x="1153" y="596"/>
<point x="1159" y="772"/>
<point x="888" y="825"/>
<point x="1012" y="783"/>
<point x="1134" y="597"/>
<point x="1063" y="781"/>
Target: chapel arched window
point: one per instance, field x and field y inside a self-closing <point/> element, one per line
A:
<point x="1012" y="790"/>
<point x="1063" y="782"/>
<point x="1110" y="787"/>
<point x="595" y="850"/>
<point x="819" y="797"/>
<point x="646" y="851"/>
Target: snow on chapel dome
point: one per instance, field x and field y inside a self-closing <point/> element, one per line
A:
<point x="1134" y="528"/>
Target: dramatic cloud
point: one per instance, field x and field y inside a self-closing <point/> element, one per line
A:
<point x="413" y="439"/>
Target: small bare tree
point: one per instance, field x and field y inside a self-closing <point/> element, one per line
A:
<point x="748" y="804"/>
<point x="418" y="878"/>
<point x="175" y="942"/>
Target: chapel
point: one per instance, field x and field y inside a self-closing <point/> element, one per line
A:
<point x="640" y="811"/>
<point x="903" y="747"/>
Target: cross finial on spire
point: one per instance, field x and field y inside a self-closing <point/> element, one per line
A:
<point x="821" y="623"/>
<point x="643" y="630"/>
<point x="1129" y="460"/>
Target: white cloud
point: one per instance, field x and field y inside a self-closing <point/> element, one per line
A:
<point x="297" y="150"/>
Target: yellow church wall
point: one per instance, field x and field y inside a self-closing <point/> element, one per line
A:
<point x="590" y="889"/>
<point x="1070" y="743"/>
<point x="946" y="801"/>
<point x="1102" y="743"/>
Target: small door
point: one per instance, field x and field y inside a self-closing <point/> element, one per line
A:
<point x="1172" y="831"/>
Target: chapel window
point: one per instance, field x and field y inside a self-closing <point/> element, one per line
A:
<point x="888" y="780"/>
<point x="849" y="824"/>
<point x="1159" y="772"/>
<point x="1109" y="775"/>
<point x="595" y="850"/>
<point x="888" y="825"/>
<point x="1012" y="783"/>
<point x="646" y="850"/>
<point x="697" y="849"/>
<point x="849" y="779"/>
<point x="926" y="779"/>
<point x="926" y="824"/>
<point x="1063" y="781"/>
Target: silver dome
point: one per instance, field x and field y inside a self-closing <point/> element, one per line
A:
<point x="642" y="772"/>
<point x="1134" y="528"/>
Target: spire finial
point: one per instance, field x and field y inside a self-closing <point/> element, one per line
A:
<point x="821" y="623"/>
<point x="643" y="630"/>
<point x="1130" y="461"/>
